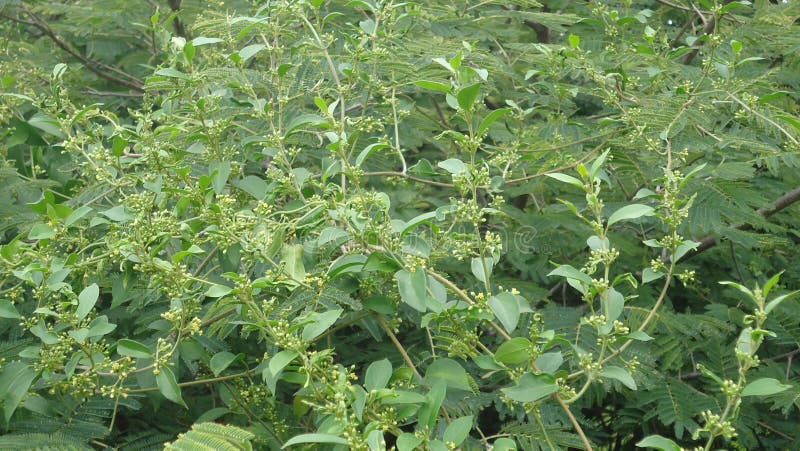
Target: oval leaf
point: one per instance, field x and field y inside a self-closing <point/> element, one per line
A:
<point x="412" y="287"/>
<point x="432" y="85"/>
<point x="620" y="374"/>
<point x="168" y="386"/>
<point x="447" y="371"/>
<point x="764" y="387"/>
<point x="133" y="348"/>
<point x="514" y="351"/>
<point x="321" y="323"/>
<point x="531" y="387"/>
<point x="378" y="374"/>
<point x="633" y="211"/>
<point x="491" y="118"/>
<point x="466" y="96"/>
<point x="314" y="438"/>
<point x="86" y="301"/>
<point x="506" y="309"/>
<point x="458" y="430"/>
<point x="221" y="361"/>
<point x="658" y="442"/>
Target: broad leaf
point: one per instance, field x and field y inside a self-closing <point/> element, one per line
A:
<point x="168" y="386"/>
<point x="531" y="387"/>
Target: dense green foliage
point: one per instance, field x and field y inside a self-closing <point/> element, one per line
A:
<point x="424" y="225"/>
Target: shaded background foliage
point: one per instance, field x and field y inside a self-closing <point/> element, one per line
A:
<point x="230" y="167"/>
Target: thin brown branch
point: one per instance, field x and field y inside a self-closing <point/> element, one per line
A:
<point x="708" y="27"/>
<point x="676" y="40"/>
<point x="94" y="66"/>
<point x="674" y="5"/>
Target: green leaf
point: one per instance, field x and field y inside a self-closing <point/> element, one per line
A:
<point x="764" y="387"/>
<point x="453" y="166"/>
<point x="648" y="275"/>
<point x="254" y="186"/>
<point x="314" y="438"/>
<point x="15" y="380"/>
<point x="193" y="250"/>
<point x="487" y="362"/>
<point x="329" y="234"/>
<point x="168" y="386"/>
<point x="745" y="343"/>
<point x="276" y="365"/>
<point x="418" y="220"/>
<point x="640" y="336"/>
<point x="100" y="326"/>
<point x="221" y="361"/>
<point x="683" y="248"/>
<point x="217" y="291"/>
<point x="566" y="179"/>
<point x="368" y="150"/>
<point x="620" y="374"/>
<point x="448" y="371"/>
<point x="747" y="292"/>
<point x="79" y="335"/>
<point x="458" y="430"/>
<point x="467" y="96"/>
<point x="597" y="164"/>
<point x="320" y="323"/>
<point x="87" y="300"/>
<point x="7" y="310"/>
<point x="514" y="351"/>
<point x="432" y="85"/>
<point x="615" y="303"/>
<point x="378" y="374"/>
<point x="305" y="119"/>
<point x="198" y="41"/>
<point x="117" y="214"/>
<point x="404" y="397"/>
<point x="549" y="362"/>
<point x="531" y="387"/>
<point x="408" y="442"/>
<point x="491" y="118"/>
<point x="76" y="215"/>
<point x="352" y="263"/>
<point x="41" y="332"/>
<point x="771" y="283"/>
<point x="793" y="121"/>
<point x="506" y="308"/>
<point x="482" y="268"/>
<point x="777" y="301"/>
<point x="504" y="444"/>
<point x="429" y="412"/>
<point x="171" y="72"/>
<point x="658" y="442"/>
<point x="189" y="51"/>
<point x="413" y="288"/>
<point x="250" y="51"/>
<point x="632" y="211"/>
<point x="41" y="231"/>
<point x="132" y="348"/>
<point x="569" y="272"/>
<point x="292" y="257"/>
<point x="380" y="304"/>
<point x="574" y="41"/>
<point x="46" y="124"/>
